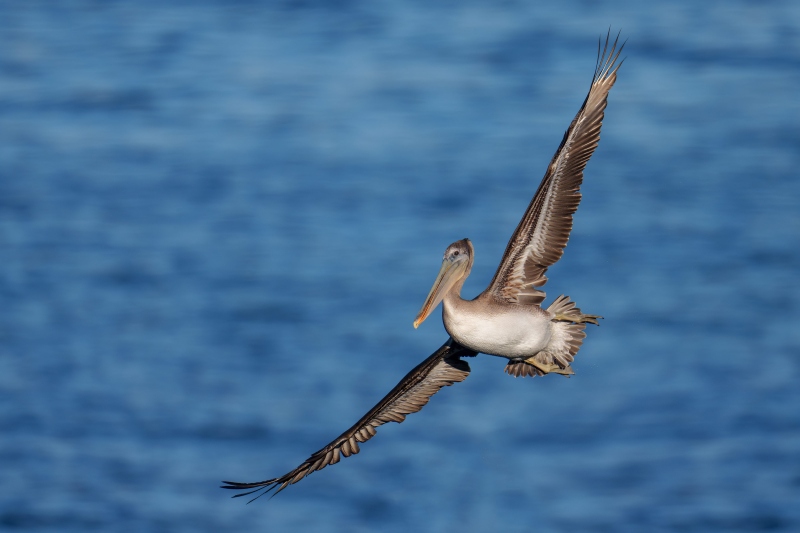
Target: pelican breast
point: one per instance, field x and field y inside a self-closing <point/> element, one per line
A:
<point x="497" y="329"/>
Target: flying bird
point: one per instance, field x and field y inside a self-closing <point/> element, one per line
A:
<point x="506" y="319"/>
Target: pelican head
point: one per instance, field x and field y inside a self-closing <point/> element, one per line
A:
<point x="456" y="264"/>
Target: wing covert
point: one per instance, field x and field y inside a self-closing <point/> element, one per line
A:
<point x="539" y="239"/>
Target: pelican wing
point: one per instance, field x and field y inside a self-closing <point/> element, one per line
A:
<point x="441" y="369"/>
<point x="543" y="232"/>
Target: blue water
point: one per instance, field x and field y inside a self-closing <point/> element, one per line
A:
<point x="218" y="221"/>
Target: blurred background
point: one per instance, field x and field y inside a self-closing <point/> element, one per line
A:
<point x="218" y="221"/>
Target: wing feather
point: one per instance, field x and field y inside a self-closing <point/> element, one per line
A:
<point x="540" y="238"/>
<point x="444" y="367"/>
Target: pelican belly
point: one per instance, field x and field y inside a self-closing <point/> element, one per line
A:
<point x="508" y="331"/>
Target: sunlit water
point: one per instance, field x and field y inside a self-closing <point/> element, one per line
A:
<point x="218" y="223"/>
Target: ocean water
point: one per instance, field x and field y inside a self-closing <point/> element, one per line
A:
<point x="219" y="219"/>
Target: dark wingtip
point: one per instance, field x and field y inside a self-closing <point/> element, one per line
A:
<point x="246" y="493"/>
<point x="233" y="485"/>
<point x="262" y="486"/>
<point x="607" y="59"/>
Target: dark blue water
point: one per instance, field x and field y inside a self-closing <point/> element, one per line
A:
<point x="218" y="221"/>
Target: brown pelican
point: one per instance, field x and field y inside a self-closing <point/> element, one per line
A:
<point x="505" y="320"/>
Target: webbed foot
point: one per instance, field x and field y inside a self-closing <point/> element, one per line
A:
<point x="550" y="368"/>
<point x="578" y="318"/>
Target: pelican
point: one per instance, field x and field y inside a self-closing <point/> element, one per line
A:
<point x="506" y="319"/>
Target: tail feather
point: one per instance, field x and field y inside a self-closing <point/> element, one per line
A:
<point x="519" y="368"/>
<point x="568" y="330"/>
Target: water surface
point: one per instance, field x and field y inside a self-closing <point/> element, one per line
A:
<point x="218" y="221"/>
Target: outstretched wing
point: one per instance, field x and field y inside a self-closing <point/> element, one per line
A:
<point x="543" y="232"/>
<point x="441" y="369"/>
